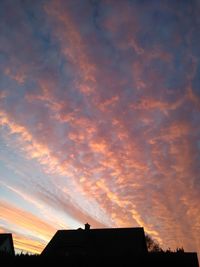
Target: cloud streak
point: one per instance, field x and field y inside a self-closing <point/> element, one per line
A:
<point x="104" y="99"/>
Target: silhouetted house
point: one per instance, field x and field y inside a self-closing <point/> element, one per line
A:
<point x="104" y="243"/>
<point x="6" y="244"/>
<point x="111" y="246"/>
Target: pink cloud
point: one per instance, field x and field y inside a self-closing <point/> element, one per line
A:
<point x="112" y="118"/>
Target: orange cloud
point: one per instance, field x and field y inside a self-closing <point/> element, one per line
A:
<point x="14" y="128"/>
<point x="192" y="97"/>
<point x="26" y="244"/>
<point x="30" y="146"/>
<point x="107" y="104"/>
<point x="19" y="77"/>
<point x="148" y="104"/>
<point x="119" y="138"/>
<point x="72" y="45"/>
<point x="26" y="220"/>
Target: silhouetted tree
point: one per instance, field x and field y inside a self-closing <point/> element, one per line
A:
<point x="180" y="250"/>
<point x="152" y="245"/>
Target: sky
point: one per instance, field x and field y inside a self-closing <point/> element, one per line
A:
<point x="100" y="118"/>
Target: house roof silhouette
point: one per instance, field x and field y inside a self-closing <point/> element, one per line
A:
<point x="6" y="244"/>
<point x="112" y="241"/>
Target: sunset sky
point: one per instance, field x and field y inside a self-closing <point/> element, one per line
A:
<point x="100" y="118"/>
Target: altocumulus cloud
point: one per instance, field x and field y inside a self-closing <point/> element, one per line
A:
<point x="99" y="115"/>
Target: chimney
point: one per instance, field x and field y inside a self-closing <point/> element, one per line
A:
<point x="87" y="226"/>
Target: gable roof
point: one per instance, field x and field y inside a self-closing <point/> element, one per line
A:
<point x="6" y="243"/>
<point x="125" y="240"/>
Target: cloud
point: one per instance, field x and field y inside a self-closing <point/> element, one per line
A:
<point x="104" y="99"/>
<point x="26" y="220"/>
<point x="23" y="243"/>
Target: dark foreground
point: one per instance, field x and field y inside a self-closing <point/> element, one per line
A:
<point x="158" y="259"/>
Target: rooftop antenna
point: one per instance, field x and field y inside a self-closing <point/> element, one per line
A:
<point x="87" y="226"/>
